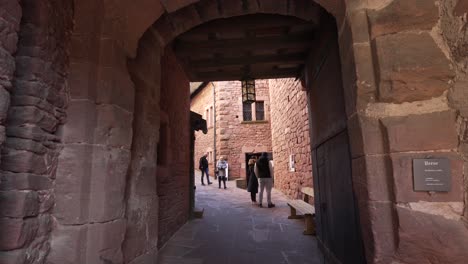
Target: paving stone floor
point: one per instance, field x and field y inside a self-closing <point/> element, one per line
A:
<point x="232" y="231"/>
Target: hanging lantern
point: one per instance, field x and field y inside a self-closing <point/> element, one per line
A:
<point x="248" y="91"/>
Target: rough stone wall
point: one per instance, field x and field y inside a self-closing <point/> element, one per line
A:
<point x="173" y="176"/>
<point x="234" y="137"/>
<point x="290" y="135"/>
<point x="204" y="142"/>
<point x="398" y="109"/>
<point x="142" y="210"/>
<point x="38" y="98"/>
<point x="89" y="214"/>
<point x="453" y="29"/>
<point x="10" y="17"/>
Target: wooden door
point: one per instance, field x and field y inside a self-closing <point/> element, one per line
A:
<point x="338" y="226"/>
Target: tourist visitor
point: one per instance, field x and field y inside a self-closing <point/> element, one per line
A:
<point x="222" y="167"/>
<point x="252" y="181"/>
<point x="264" y="172"/>
<point x="203" y="166"/>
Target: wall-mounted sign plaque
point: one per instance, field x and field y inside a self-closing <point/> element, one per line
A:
<point x="431" y="175"/>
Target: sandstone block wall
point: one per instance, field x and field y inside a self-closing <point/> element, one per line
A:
<point x="89" y="214"/>
<point x="234" y="137"/>
<point x="141" y="197"/>
<point x="399" y="77"/>
<point x="173" y="176"/>
<point x="204" y="142"/>
<point x="33" y="89"/>
<point x="290" y="136"/>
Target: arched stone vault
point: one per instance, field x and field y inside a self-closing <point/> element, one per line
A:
<point x="389" y="108"/>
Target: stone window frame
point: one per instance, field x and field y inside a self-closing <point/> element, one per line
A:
<point x="266" y="109"/>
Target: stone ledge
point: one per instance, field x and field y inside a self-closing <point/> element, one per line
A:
<point x="255" y="122"/>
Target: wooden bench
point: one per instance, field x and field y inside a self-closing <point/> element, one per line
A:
<point x="303" y="207"/>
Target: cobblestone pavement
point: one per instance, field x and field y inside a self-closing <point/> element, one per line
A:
<point x="233" y="231"/>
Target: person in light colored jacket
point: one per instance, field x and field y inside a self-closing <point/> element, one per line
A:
<point x="222" y="166"/>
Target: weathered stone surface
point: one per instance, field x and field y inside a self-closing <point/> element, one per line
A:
<point x="12" y="257"/>
<point x="90" y="184"/>
<point x="425" y="238"/>
<point x="372" y="178"/>
<point x="403" y="178"/>
<point x="16" y="233"/>
<point x="290" y="135"/>
<point x="81" y="121"/>
<point x="410" y="133"/>
<point x="173" y="5"/>
<point x="68" y="244"/>
<point x="19" y="204"/>
<point x="185" y="19"/>
<point x="95" y="243"/>
<point x="104" y="242"/>
<point x="22" y="161"/>
<point x="365" y="136"/>
<point x="20" y="115"/>
<point x="115" y="87"/>
<point x="378" y="230"/>
<point x="415" y="71"/>
<point x="402" y="15"/>
<point x="113" y="127"/>
<point x="23" y="181"/>
<point x="461" y="8"/>
<point x="458" y="96"/>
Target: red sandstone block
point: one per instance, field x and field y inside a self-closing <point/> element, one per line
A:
<point x="403" y="15"/>
<point x="114" y="86"/>
<point x="16" y="233"/>
<point x="81" y="122"/>
<point x="208" y="9"/>
<point x="378" y="228"/>
<point x="20" y="115"/>
<point x="424" y="237"/>
<point x="113" y="127"/>
<point x="82" y="185"/>
<point x="365" y="136"/>
<point x="418" y="70"/>
<point x="372" y="178"/>
<point x="185" y="19"/>
<point x="13" y="257"/>
<point x="23" y="161"/>
<point x="173" y="5"/>
<point x="432" y="131"/>
<point x="23" y="181"/>
<point x="19" y="203"/>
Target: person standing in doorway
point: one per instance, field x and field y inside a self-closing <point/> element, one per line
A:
<point x="252" y="182"/>
<point x="222" y="167"/>
<point x="204" y="169"/>
<point x="264" y="172"/>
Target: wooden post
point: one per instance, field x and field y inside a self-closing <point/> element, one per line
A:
<point x="310" y="226"/>
<point x="293" y="214"/>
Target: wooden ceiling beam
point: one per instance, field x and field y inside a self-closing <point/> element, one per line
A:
<point x="295" y="58"/>
<point x="250" y="22"/>
<point x="248" y="44"/>
<point x="238" y="75"/>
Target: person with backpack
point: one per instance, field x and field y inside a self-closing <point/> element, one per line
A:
<point x="264" y="172"/>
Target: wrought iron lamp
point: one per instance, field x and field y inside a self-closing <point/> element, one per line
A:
<point x="248" y="90"/>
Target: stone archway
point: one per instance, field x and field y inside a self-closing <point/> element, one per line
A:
<point x="388" y="106"/>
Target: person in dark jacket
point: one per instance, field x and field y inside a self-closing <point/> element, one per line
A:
<point x="203" y="166"/>
<point x="264" y="172"/>
<point x="252" y="182"/>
